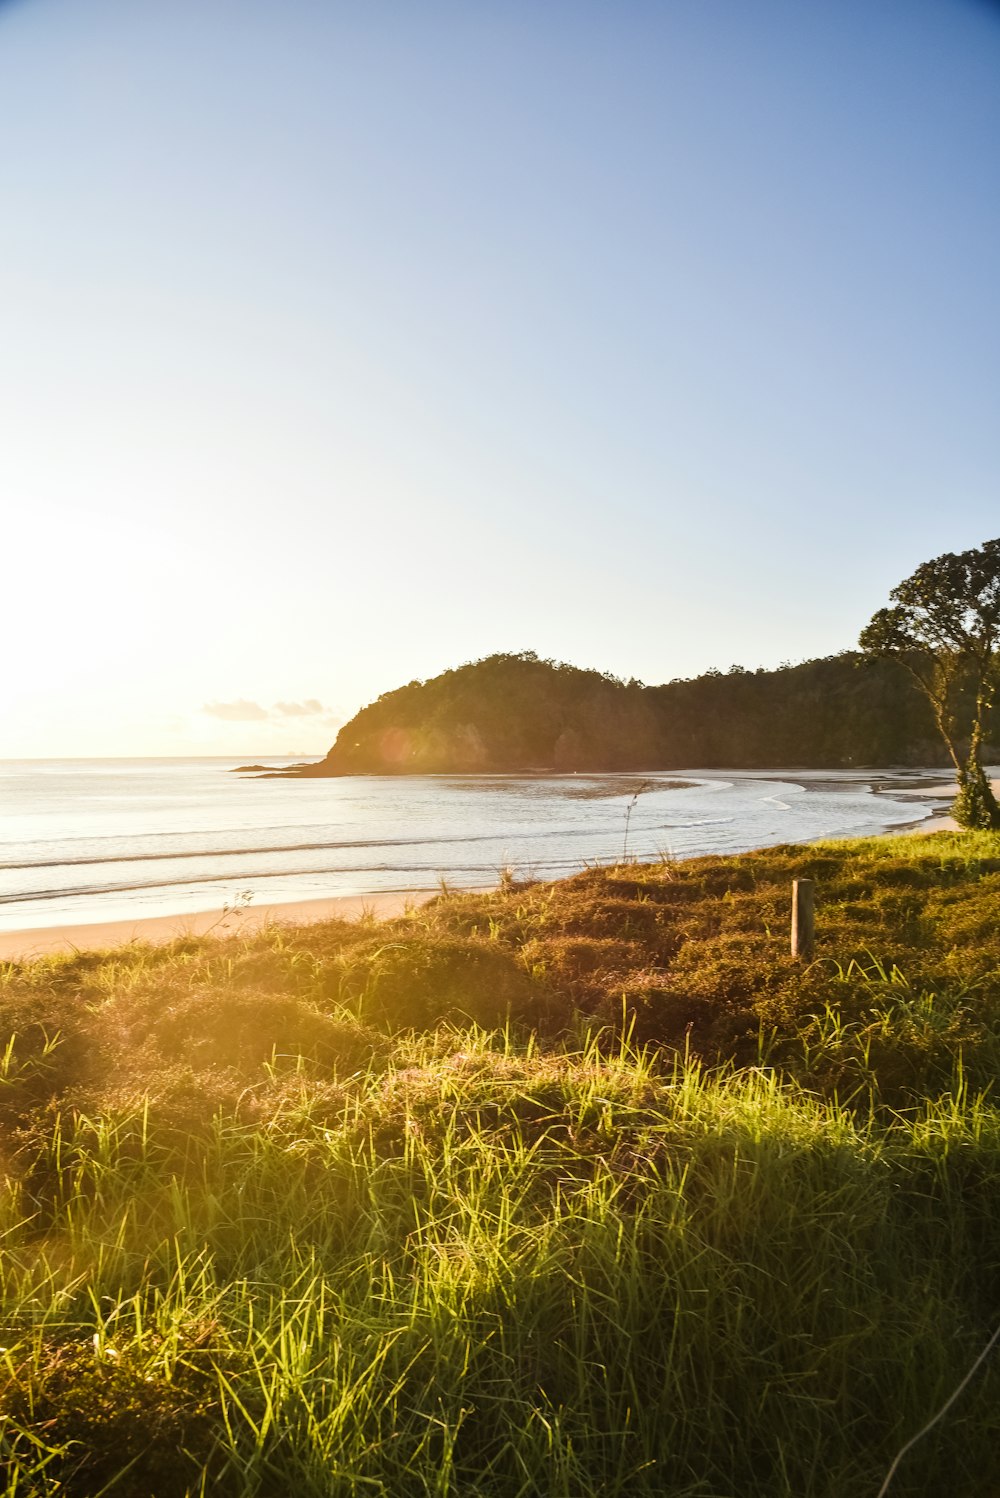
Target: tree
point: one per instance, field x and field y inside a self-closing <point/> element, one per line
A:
<point x="944" y="628"/>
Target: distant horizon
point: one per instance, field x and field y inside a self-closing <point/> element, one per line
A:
<point x="319" y="754"/>
<point x="55" y="759"/>
<point x="293" y="754"/>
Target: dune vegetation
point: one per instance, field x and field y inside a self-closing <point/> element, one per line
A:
<point x="572" y="1189"/>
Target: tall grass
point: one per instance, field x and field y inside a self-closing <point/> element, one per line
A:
<point x="479" y="1270"/>
<point x="258" y="1236"/>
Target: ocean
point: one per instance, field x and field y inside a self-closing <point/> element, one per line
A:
<point x="104" y="840"/>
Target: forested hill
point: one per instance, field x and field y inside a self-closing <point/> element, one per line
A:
<point x="516" y="712"/>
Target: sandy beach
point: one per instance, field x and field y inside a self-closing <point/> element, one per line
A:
<point x="947" y="791"/>
<point x="16" y="945"/>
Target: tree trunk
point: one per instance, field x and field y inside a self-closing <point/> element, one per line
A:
<point x="975" y="805"/>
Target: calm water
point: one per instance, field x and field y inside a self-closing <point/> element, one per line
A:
<point x="94" y="840"/>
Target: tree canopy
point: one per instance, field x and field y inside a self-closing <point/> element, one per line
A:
<point x="944" y="628"/>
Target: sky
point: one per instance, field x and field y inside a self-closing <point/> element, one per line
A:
<point x="344" y="341"/>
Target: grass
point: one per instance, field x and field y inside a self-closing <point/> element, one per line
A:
<point x="576" y="1189"/>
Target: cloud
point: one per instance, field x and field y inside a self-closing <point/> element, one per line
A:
<point x="237" y="712"/>
<point x="307" y="709"/>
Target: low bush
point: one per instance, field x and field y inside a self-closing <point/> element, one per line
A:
<point x="404" y="979"/>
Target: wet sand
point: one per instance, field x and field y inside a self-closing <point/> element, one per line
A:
<point x="947" y="791"/>
<point x="163" y="928"/>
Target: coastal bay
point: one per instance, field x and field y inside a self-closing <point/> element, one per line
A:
<point x="95" y="853"/>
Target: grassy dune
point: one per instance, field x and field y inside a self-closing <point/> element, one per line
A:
<point x="571" y="1189"/>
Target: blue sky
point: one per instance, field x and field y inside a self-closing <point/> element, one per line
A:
<point x="344" y="342"/>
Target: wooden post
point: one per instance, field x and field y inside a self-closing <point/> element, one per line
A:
<point x="803" y="919"/>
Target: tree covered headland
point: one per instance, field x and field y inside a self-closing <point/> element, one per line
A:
<point x="515" y="712"/>
<point x="921" y="690"/>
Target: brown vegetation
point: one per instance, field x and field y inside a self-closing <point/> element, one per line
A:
<point x="690" y="956"/>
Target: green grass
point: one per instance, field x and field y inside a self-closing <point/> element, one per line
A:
<point x="574" y="1190"/>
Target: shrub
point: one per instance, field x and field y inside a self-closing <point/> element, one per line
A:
<point x="403" y="980"/>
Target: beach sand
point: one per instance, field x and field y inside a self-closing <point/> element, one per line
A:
<point x="947" y="791"/>
<point x="157" y="929"/>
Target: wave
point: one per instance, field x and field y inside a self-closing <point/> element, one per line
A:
<point x="431" y="872"/>
<point x="313" y="847"/>
<point x="695" y="822"/>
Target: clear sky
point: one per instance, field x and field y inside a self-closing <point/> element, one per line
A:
<point x="342" y="341"/>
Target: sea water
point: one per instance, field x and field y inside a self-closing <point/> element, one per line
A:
<point x="103" y="840"/>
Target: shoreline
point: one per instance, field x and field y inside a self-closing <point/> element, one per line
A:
<point x="43" y="941"/>
<point x="939" y="821"/>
